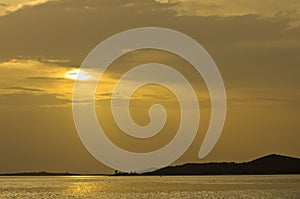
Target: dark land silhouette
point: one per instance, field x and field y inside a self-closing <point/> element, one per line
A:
<point x="267" y="165"/>
<point x="271" y="164"/>
<point x="41" y="173"/>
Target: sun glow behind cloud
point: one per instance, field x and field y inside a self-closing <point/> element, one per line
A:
<point x="78" y="74"/>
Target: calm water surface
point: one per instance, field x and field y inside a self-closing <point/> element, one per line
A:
<point x="281" y="186"/>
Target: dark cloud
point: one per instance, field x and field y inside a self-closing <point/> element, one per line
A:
<point x="104" y="94"/>
<point x="264" y="101"/>
<point x="47" y="78"/>
<point x="25" y="89"/>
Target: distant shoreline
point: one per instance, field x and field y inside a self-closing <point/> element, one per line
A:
<point x="49" y="174"/>
<point x="268" y="165"/>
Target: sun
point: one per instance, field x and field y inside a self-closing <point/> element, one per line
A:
<point x="78" y="74"/>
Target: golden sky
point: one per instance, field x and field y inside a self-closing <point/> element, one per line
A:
<point x="254" y="43"/>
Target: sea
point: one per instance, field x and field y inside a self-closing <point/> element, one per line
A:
<point x="248" y="186"/>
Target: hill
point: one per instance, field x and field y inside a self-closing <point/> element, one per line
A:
<point x="271" y="164"/>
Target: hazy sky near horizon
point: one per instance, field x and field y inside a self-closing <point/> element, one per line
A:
<point x="255" y="44"/>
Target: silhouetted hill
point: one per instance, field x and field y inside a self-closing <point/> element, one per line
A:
<point x="271" y="164"/>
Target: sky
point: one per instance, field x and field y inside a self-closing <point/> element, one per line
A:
<point x="255" y="45"/>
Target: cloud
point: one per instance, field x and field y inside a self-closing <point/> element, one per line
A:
<point x="13" y="6"/>
<point x="57" y="61"/>
<point x="264" y="97"/>
<point x="106" y="94"/>
<point x="47" y="78"/>
<point x="230" y="7"/>
<point x="25" y="89"/>
<point x="269" y="8"/>
<point x="34" y="76"/>
<point x="254" y="48"/>
<point x="3" y="4"/>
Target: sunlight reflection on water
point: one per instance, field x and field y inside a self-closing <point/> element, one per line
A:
<point x="151" y="187"/>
